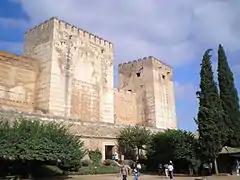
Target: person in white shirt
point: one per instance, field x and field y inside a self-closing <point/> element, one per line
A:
<point x="170" y="169"/>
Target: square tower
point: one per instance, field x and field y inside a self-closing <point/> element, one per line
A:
<point x="76" y="78"/>
<point x="152" y="82"/>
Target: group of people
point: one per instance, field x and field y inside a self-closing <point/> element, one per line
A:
<point x="125" y="170"/>
<point x="167" y="169"/>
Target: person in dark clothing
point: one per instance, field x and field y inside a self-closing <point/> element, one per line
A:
<point x="160" y="169"/>
<point x="136" y="172"/>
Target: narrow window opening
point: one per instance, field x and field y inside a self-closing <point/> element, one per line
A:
<point x="138" y="74"/>
<point x="163" y="76"/>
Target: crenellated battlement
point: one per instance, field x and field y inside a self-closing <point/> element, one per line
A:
<point x="157" y="63"/>
<point x="141" y="60"/>
<point x="122" y="91"/>
<point x="42" y="25"/>
<point x="60" y="24"/>
<point x="145" y="61"/>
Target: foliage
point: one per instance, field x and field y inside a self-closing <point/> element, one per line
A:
<point x="95" y="156"/>
<point x="176" y="145"/>
<point x="86" y="162"/>
<point x="131" y="138"/>
<point x="31" y="142"/>
<point x="38" y="170"/>
<point x="98" y="170"/>
<point x="229" y="97"/>
<point x="211" y="116"/>
<point x="108" y="162"/>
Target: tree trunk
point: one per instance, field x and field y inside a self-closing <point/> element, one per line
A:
<point x="138" y="152"/>
<point x="216" y="166"/>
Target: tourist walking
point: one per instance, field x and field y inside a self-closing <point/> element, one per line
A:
<point x="136" y="171"/>
<point x="124" y="170"/>
<point x="170" y="169"/>
<point x="160" y="169"/>
<point x="166" y="170"/>
<point x="237" y="167"/>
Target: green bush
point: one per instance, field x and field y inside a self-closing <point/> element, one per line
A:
<point x="98" y="170"/>
<point x="30" y="143"/>
<point x="47" y="171"/>
<point x="86" y="162"/>
<point x="95" y="156"/>
<point x="107" y="162"/>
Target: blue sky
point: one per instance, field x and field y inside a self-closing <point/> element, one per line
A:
<point x="176" y="32"/>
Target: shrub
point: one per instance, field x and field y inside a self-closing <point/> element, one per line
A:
<point x="108" y="162"/>
<point x="98" y="170"/>
<point x="30" y="143"/>
<point x="95" y="156"/>
<point x="86" y="162"/>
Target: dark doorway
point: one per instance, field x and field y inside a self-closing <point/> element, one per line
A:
<point x="108" y="152"/>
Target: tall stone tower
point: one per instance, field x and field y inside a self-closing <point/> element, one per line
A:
<point x="152" y="82"/>
<point x="76" y="73"/>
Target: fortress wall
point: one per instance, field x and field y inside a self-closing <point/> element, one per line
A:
<point x="38" y="44"/>
<point x="164" y="95"/>
<point x="138" y="76"/>
<point x="85" y="101"/>
<point x="125" y="107"/>
<point x="18" y="76"/>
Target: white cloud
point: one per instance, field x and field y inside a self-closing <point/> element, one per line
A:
<point x="186" y="92"/>
<point x="13" y="23"/>
<point x="174" y="31"/>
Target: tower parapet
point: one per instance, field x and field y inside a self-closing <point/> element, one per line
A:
<point x="74" y="29"/>
<point x="146" y="61"/>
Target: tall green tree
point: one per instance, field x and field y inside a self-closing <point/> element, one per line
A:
<point x="210" y="118"/>
<point x="132" y="139"/>
<point x="176" y="145"/>
<point x="229" y="97"/>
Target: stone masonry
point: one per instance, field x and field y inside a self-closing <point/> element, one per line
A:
<point x="66" y="74"/>
<point x="151" y="81"/>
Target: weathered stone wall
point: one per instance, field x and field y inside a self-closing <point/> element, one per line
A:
<point x="17" y="81"/>
<point x="38" y="44"/>
<point x="125" y="105"/>
<point x="152" y="82"/>
<point x="137" y="76"/>
<point x="85" y="101"/>
<point x="164" y="96"/>
<point x="82" y="57"/>
<point x="72" y="55"/>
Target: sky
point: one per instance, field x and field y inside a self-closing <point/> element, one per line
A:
<point x="176" y="32"/>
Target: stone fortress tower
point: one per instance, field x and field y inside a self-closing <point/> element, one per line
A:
<point x="74" y="79"/>
<point x="152" y="81"/>
<point x="66" y="75"/>
<point x="76" y="72"/>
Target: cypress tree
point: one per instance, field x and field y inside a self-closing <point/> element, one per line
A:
<point x="210" y="114"/>
<point x="229" y="97"/>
